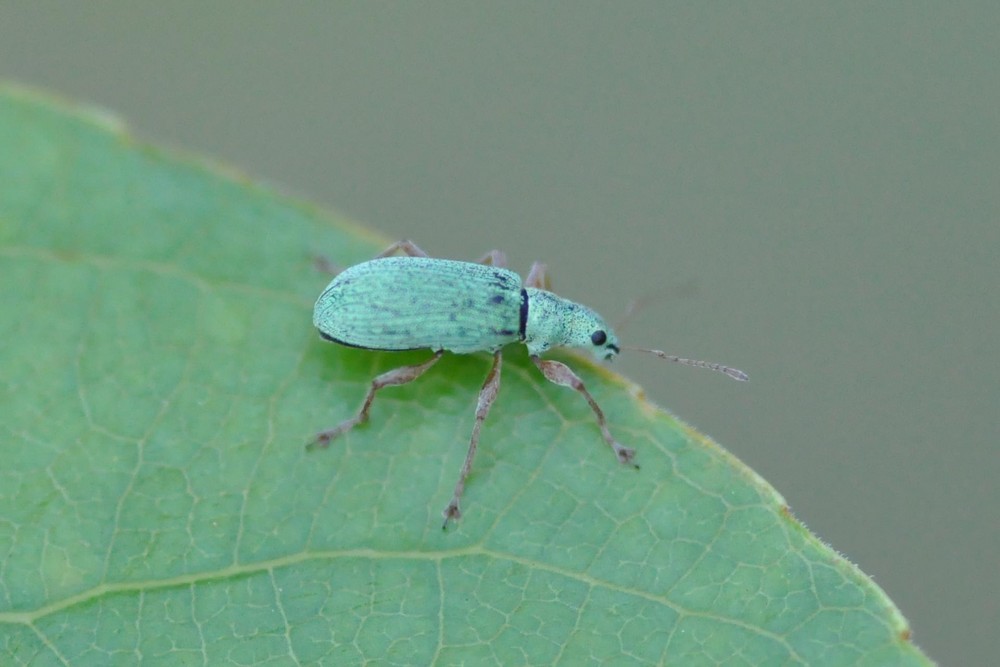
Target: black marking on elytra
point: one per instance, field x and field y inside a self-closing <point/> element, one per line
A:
<point x="503" y="282"/>
<point x="328" y="337"/>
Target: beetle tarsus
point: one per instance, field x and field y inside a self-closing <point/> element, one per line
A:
<point x="624" y="454"/>
<point x="451" y="513"/>
<point x="324" y="438"/>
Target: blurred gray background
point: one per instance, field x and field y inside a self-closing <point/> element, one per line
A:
<point x="813" y="188"/>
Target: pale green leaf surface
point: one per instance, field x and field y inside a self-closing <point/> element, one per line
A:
<point x="159" y="378"/>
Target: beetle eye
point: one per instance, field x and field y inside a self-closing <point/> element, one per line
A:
<point x="598" y="337"/>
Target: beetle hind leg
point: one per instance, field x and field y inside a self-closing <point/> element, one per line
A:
<point x="488" y="394"/>
<point x="324" y="264"/>
<point x="395" y="377"/>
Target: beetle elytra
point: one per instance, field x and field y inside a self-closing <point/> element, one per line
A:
<point x="417" y="302"/>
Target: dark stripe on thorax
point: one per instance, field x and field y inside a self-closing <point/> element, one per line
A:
<point x="523" y="323"/>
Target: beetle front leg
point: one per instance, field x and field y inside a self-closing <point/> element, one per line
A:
<point x="561" y="374"/>
<point x="488" y="394"/>
<point x="395" y="377"/>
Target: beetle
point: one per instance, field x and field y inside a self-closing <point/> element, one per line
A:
<point x="414" y="302"/>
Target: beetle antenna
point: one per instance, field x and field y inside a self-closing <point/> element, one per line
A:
<point x="734" y="373"/>
<point x="684" y="290"/>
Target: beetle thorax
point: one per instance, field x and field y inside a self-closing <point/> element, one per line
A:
<point x="554" y="322"/>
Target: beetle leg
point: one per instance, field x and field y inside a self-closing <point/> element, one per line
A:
<point x="495" y="258"/>
<point x="407" y="247"/>
<point x="561" y="374"/>
<point x="538" y="277"/>
<point x="488" y="394"/>
<point x="410" y="249"/>
<point x="397" y="376"/>
<point x="325" y="265"/>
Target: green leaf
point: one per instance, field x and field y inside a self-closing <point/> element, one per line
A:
<point x="160" y="378"/>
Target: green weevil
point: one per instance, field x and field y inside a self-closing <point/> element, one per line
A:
<point x="418" y="302"/>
